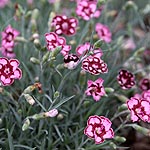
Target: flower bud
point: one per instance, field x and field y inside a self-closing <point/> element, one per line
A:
<point x="56" y="94"/>
<point x="55" y="52"/>
<point x="129" y="5"/>
<point x="109" y="90"/>
<point x="122" y="98"/>
<point x="26" y="125"/>
<point x="140" y="129"/>
<point x="37" y="44"/>
<point x="112" y="145"/>
<point x="46" y="56"/>
<point x="35" y="60"/>
<point x="29" y="99"/>
<point x="120" y="139"/>
<point x="122" y="107"/>
<point x="98" y="43"/>
<point x="60" y="116"/>
<point x="20" y="39"/>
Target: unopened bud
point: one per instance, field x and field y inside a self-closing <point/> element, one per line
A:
<point x="29" y="89"/>
<point x="72" y="42"/>
<point x="120" y="139"/>
<point x="29" y="99"/>
<point x="35" y="36"/>
<point x="56" y="94"/>
<point x="26" y="125"/>
<point x="130" y="5"/>
<point x="122" y="98"/>
<point x="109" y="90"/>
<point x="60" y="116"/>
<point x="112" y="145"/>
<point x="46" y="56"/>
<point x="98" y="43"/>
<point x="37" y="44"/>
<point x="140" y="129"/>
<point x="56" y="51"/>
<point x="122" y="107"/>
<point x="35" y="60"/>
<point x="20" y="39"/>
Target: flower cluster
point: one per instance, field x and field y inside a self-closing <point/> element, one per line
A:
<point x="8" y="41"/>
<point x="126" y="79"/>
<point x="64" y="25"/>
<point x="53" y="41"/>
<point x="139" y="106"/>
<point x="9" y="71"/>
<point x="99" y="129"/>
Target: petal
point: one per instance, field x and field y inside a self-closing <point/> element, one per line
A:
<point x="132" y="102"/>
<point x="88" y="131"/>
<point x="106" y="123"/>
<point x="4" y="61"/>
<point x="96" y="97"/>
<point x="98" y="139"/>
<point x="93" y="120"/>
<point x="17" y="74"/>
<point x="134" y="117"/>
<point x="109" y="134"/>
<point x="15" y="63"/>
<point x="6" y="81"/>
<point x="50" y="36"/>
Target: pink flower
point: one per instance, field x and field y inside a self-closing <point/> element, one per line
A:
<point x="64" y="25"/>
<point x="86" y="9"/>
<point x="9" y="71"/>
<point x="94" y="65"/>
<point x="71" y="61"/>
<point x="3" y="3"/>
<point x="146" y="95"/>
<point x="95" y="88"/>
<point x="99" y="129"/>
<point x="139" y="108"/>
<point x="103" y="32"/>
<point x="53" y="41"/>
<point x="51" y="113"/>
<point x="87" y="47"/>
<point x="128" y="44"/>
<point x="144" y="84"/>
<point x="126" y="79"/>
<point x="83" y="49"/>
<point x="8" y="41"/>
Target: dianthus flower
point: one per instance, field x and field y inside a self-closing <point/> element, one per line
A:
<point x="144" y="84"/>
<point x="53" y="41"/>
<point x="3" y="3"/>
<point x="86" y="9"/>
<point x="8" y="41"/>
<point x="103" y="32"/>
<point x="146" y="95"/>
<point x="126" y="79"/>
<point x="94" y="65"/>
<point x="71" y="61"/>
<point x="82" y="49"/>
<point x="139" y="107"/>
<point x="64" y="25"/>
<point x="99" y="129"/>
<point x="95" y="88"/>
<point x="9" y="71"/>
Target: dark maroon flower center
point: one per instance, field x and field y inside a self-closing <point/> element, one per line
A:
<point x="7" y="70"/>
